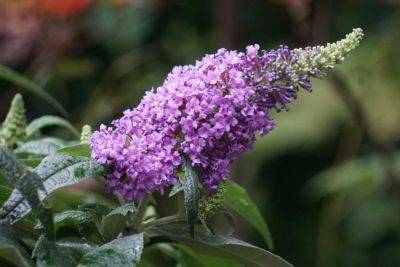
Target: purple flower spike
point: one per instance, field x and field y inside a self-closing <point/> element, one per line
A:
<point x="209" y="112"/>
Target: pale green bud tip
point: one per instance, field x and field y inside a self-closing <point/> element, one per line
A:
<point x="209" y="204"/>
<point x="13" y="128"/>
<point x="86" y="134"/>
<point x="318" y="59"/>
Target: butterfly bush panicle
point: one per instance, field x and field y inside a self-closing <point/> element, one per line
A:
<point x="209" y="112"/>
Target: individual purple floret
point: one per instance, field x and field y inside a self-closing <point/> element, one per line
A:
<point x="209" y="112"/>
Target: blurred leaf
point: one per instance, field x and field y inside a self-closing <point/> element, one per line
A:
<point x="373" y="220"/>
<point x="237" y="198"/>
<point x="56" y="171"/>
<point x="125" y="251"/>
<point x="72" y="68"/>
<point x="11" y="250"/>
<point x="18" y="79"/>
<point x="28" y="186"/>
<point x="362" y="175"/>
<point x="78" y="150"/>
<point x="192" y="194"/>
<point x="222" y="246"/>
<point x="48" y="120"/>
<point x="113" y="223"/>
<point x="42" y="147"/>
<point x="48" y="254"/>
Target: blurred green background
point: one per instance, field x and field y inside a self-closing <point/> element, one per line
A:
<point x="327" y="179"/>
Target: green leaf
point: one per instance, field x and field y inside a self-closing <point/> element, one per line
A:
<point x="32" y="162"/>
<point x="49" y="120"/>
<point x="42" y="147"/>
<point x="49" y="254"/>
<point x="72" y="218"/>
<point x="121" y="252"/>
<point x="79" y="246"/>
<point x="222" y="246"/>
<point x="96" y="212"/>
<point x="78" y="150"/>
<point x="97" y="209"/>
<point x="175" y="189"/>
<point x="237" y="198"/>
<point x="18" y="79"/>
<point x="5" y="192"/>
<point x="192" y="194"/>
<point x="29" y="185"/>
<point x="114" y="222"/>
<point x="191" y="258"/>
<point x="10" y="249"/>
<point x="55" y="171"/>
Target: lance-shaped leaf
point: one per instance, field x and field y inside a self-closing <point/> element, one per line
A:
<point x="10" y="249"/>
<point x="238" y="199"/>
<point x="192" y="194"/>
<point x="78" y="150"/>
<point x="49" y="120"/>
<point x="55" y="171"/>
<point x="175" y="189"/>
<point x="125" y="251"/>
<point x="222" y="246"/>
<point x="28" y="185"/>
<point x="42" y="147"/>
<point x="113" y="223"/>
<point x="18" y="79"/>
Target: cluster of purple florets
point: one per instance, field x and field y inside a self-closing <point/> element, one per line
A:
<point x="209" y="113"/>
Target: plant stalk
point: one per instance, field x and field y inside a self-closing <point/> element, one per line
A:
<point x="138" y="218"/>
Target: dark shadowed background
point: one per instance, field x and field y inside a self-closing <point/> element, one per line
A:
<point x="326" y="179"/>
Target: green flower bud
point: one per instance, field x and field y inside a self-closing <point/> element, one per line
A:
<point x="318" y="59"/>
<point x="209" y="204"/>
<point x="13" y="128"/>
<point x="86" y="134"/>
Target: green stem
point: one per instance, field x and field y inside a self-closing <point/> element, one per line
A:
<point x="165" y="220"/>
<point x="140" y="212"/>
<point x="181" y="203"/>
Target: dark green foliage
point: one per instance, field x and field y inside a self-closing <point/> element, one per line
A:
<point x="28" y="185"/>
<point x="10" y="249"/>
<point x="223" y="246"/>
<point x="115" y="221"/>
<point x="55" y="171"/>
